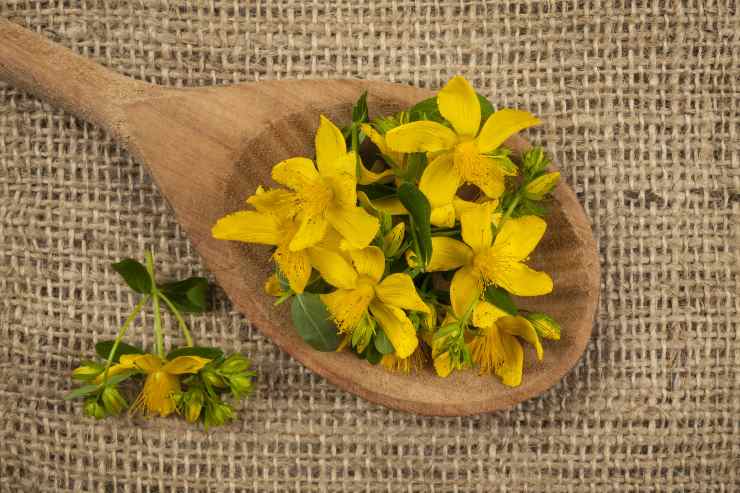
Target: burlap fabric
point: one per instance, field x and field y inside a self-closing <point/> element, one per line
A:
<point x="640" y="104"/>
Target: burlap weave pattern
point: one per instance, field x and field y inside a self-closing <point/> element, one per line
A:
<point x="640" y="104"/>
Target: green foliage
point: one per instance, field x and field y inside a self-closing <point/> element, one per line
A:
<point x="420" y="213"/>
<point x="312" y="322"/>
<point x="135" y="275"/>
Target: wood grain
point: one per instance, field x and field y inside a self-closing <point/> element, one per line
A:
<point x="209" y="148"/>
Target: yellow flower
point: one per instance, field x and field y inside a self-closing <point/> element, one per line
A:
<point x="496" y="348"/>
<point x="360" y="289"/>
<point x="415" y="362"/>
<point x="482" y="260"/>
<point x="162" y="381"/>
<point x="272" y="286"/>
<point x="326" y="196"/>
<point x="274" y="223"/>
<point x="460" y="155"/>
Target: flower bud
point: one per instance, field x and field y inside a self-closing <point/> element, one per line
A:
<point x="87" y="371"/>
<point x="535" y="161"/>
<point x="392" y="241"/>
<point x="241" y="384"/>
<point x="539" y="187"/>
<point x="411" y="259"/>
<point x="94" y="409"/>
<point x="272" y="286"/>
<point x="212" y="378"/>
<point x="194" y="405"/>
<point x="544" y="325"/>
<point x="113" y="401"/>
<point x="236" y="363"/>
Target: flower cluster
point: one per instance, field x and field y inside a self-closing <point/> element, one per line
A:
<point x="189" y="380"/>
<point x="406" y="235"/>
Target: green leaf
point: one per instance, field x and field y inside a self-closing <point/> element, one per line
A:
<point x="372" y="355"/>
<point x="188" y="295"/>
<point x="382" y="343"/>
<point x="420" y="212"/>
<point x="311" y="320"/>
<point x="82" y="391"/>
<point x="359" y="111"/>
<point x="135" y="275"/>
<point x="415" y="165"/>
<point x="203" y="352"/>
<point x="486" y="109"/>
<point x="103" y="349"/>
<point x="501" y="299"/>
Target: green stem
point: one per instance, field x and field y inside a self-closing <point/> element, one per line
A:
<point x="509" y="211"/>
<point x="132" y="316"/>
<point x="355" y="148"/>
<point x="158" y="337"/>
<point x="180" y="321"/>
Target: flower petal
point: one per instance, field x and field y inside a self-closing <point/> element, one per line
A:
<point x="344" y="164"/>
<point x="464" y="290"/>
<point x="486" y="174"/>
<point x="443" y="216"/>
<point x="520" y="326"/>
<point x="398" y="290"/>
<point x="476" y="226"/>
<point x="368" y="177"/>
<point x="311" y="231"/>
<point x="344" y="187"/>
<point x="518" y="237"/>
<point x="379" y="140"/>
<point x="354" y="224"/>
<point x="295" y="265"/>
<point x="249" y="227"/>
<point x="459" y="104"/>
<point x="390" y="205"/>
<point x="440" y="180"/>
<point x="421" y="136"/>
<point x="185" y="364"/>
<point x="443" y="364"/>
<point x="330" y="146"/>
<point x="348" y="306"/>
<point x="518" y="279"/>
<point x="295" y="172"/>
<point x="333" y="267"/>
<point x="511" y="370"/>
<point x="369" y="261"/>
<point x="397" y="327"/>
<point x="486" y="314"/>
<point x="448" y="253"/>
<point x="278" y="202"/>
<point x="147" y="363"/>
<point x="503" y="124"/>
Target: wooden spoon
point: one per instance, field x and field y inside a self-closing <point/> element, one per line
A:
<point x="209" y="148"/>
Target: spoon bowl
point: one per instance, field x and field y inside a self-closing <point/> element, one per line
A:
<point x="209" y="148"/>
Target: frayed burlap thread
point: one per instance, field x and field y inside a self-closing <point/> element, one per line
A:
<point x="640" y="103"/>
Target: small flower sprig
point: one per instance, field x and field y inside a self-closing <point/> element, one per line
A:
<point x="405" y="237"/>
<point x="190" y="380"/>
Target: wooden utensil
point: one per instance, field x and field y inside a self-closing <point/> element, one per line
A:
<point x="209" y="148"/>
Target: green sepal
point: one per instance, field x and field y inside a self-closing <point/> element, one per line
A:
<point x="83" y="391"/>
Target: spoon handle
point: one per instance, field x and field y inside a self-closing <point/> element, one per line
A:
<point x="34" y="64"/>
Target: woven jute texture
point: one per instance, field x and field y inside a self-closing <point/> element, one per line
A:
<point x="640" y="103"/>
